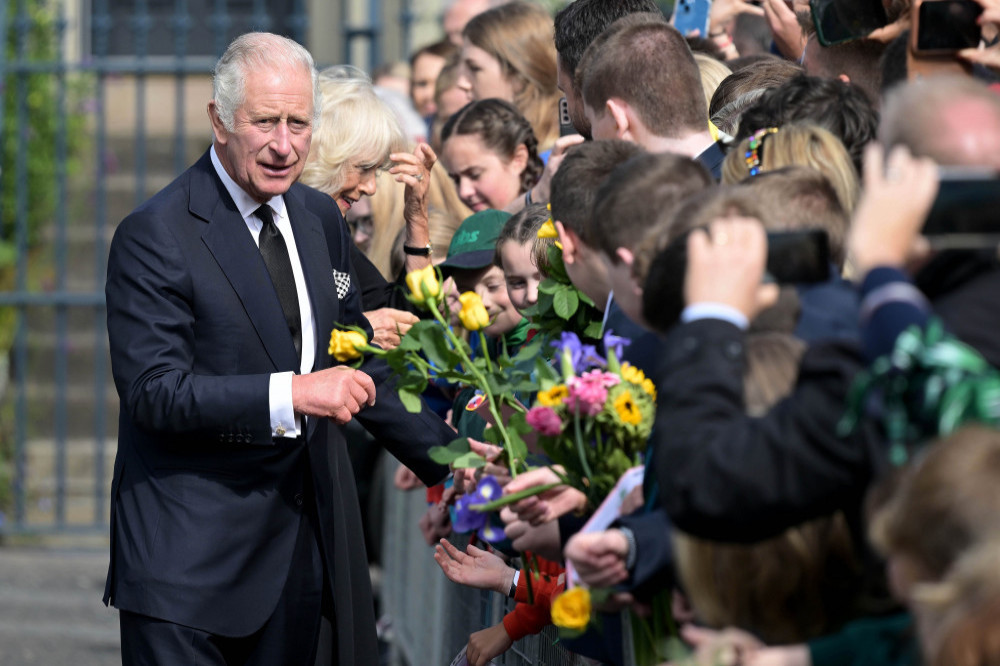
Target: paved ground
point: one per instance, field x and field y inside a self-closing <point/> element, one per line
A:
<point x="50" y="608"/>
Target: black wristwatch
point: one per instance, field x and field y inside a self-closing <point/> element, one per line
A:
<point x="424" y="251"/>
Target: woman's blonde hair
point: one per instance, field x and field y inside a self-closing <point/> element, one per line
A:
<point x="798" y="145"/>
<point x="355" y="129"/>
<point x="520" y="36"/>
<point x="712" y="73"/>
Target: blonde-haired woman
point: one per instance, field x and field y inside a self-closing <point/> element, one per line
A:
<point x="508" y="52"/>
<point x="355" y="136"/>
<point x="795" y="145"/>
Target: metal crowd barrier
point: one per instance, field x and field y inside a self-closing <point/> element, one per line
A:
<point x="431" y="617"/>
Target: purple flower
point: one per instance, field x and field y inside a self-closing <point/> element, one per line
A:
<point x="569" y="351"/>
<point x="544" y="420"/>
<point x="615" y="343"/>
<point x="590" y="359"/>
<point x="491" y="533"/>
<point x="468" y="519"/>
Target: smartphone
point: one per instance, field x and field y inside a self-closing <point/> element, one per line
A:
<point x="565" y="120"/>
<point x="839" y="21"/>
<point x="966" y="212"/>
<point x="691" y="15"/>
<point x="945" y="26"/>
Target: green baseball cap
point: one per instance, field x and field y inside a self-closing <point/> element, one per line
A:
<point x="474" y="243"/>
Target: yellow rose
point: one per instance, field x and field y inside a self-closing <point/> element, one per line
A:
<point x="473" y="314"/>
<point x="346" y="345"/>
<point x="423" y="284"/>
<point x="649" y="387"/>
<point x="571" y="609"/>
<point x="554" y="396"/>
<point x="548" y="230"/>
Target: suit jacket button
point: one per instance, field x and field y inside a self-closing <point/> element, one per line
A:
<point x="299" y="500"/>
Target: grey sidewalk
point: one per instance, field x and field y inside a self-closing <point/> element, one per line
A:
<point x="51" y="611"/>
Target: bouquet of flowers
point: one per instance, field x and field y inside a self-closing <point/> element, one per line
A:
<point x="596" y="417"/>
<point x="432" y="349"/>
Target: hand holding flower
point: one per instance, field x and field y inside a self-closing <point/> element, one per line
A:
<point x="549" y="504"/>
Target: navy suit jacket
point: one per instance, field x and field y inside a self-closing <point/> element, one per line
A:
<point x="205" y="505"/>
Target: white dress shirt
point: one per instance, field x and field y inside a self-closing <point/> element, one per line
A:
<point x="284" y="421"/>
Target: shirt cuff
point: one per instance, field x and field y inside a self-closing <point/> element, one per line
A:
<point x="698" y="311"/>
<point x="284" y="422"/>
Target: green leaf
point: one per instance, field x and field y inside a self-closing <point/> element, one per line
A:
<point x="410" y="400"/>
<point x="469" y="460"/>
<point x="565" y="302"/>
<point x="446" y="455"/>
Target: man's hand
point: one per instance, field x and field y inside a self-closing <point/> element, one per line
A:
<point x="599" y="557"/>
<point x="486" y="644"/>
<point x="475" y="567"/>
<point x="546" y="506"/>
<point x="543" y="539"/>
<point x="389" y="326"/>
<point x="336" y="393"/>
<point x="897" y="197"/>
<point x="785" y="29"/>
<point x="726" y="265"/>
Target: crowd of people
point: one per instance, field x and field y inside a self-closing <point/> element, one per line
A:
<point x="812" y="493"/>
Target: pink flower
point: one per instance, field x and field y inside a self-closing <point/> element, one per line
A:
<point x="588" y="392"/>
<point x="544" y="420"/>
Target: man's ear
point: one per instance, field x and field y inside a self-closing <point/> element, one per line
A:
<point x="844" y="77"/>
<point x="569" y="241"/>
<point x="619" y="111"/>
<point x="625" y="256"/>
<point x="218" y="129"/>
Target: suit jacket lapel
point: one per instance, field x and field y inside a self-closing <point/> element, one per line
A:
<point x="229" y="241"/>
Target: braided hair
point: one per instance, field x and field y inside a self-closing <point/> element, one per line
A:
<point x="501" y="129"/>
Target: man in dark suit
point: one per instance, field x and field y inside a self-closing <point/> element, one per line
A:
<point x="235" y="528"/>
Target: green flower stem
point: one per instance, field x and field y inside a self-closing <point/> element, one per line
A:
<point x="482" y="341"/>
<point x="480" y="380"/>
<point x="579" y="445"/>
<point x="514" y="497"/>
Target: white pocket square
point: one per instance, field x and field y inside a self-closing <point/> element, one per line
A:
<point x="343" y="282"/>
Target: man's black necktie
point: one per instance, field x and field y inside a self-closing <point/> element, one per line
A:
<point x="275" y="253"/>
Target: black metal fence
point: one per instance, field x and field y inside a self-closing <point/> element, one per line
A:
<point x="103" y="104"/>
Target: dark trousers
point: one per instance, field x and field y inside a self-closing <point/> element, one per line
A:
<point x="298" y="633"/>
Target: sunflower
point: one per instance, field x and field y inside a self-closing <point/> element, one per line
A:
<point x="627" y="410"/>
<point x="554" y="396"/>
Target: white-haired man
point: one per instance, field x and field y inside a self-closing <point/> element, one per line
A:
<point x="235" y="528"/>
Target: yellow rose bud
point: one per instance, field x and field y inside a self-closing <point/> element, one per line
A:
<point x="423" y="284"/>
<point x="571" y="609"/>
<point x="548" y="230"/>
<point x="346" y="345"/>
<point x="473" y="314"/>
